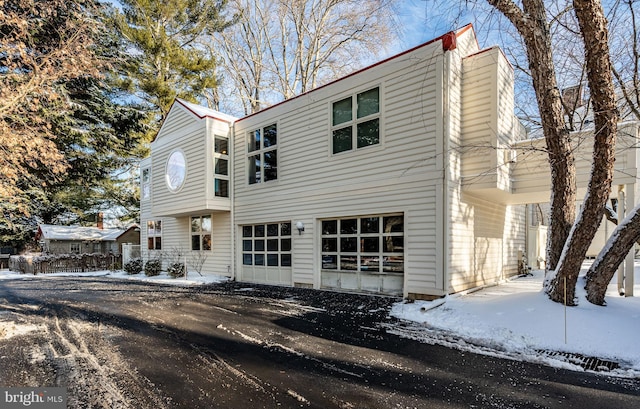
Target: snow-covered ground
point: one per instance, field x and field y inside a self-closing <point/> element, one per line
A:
<point x="517" y="320"/>
<point x="192" y="278"/>
<point x="513" y="320"/>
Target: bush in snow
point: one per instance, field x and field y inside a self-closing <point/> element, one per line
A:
<point x="133" y="266"/>
<point x="152" y="268"/>
<point x="176" y="269"/>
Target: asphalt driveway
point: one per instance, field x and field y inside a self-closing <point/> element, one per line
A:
<point x="126" y="344"/>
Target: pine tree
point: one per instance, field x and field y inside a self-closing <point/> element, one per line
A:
<point x="164" y="36"/>
<point x="96" y="135"/>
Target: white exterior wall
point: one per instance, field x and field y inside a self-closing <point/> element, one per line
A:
<point x="485" y="236"/>
<point x="489" y="125"/>
<point x="434" y="105"/>
<point x="194" y="136"/>
<point x="400" y="175"/>
<point x="145" y="213"/>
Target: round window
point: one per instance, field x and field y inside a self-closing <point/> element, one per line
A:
<point x="176" y="171"/>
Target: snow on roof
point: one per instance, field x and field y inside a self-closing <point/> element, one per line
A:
<point x="53" y="232"/>
<point x="203" y="112"/>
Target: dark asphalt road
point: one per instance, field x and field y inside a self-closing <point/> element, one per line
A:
<point x="126" y="344"/>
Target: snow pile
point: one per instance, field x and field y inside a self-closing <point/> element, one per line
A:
<point x="517" y="320"/>
<point x="193" y="278"/>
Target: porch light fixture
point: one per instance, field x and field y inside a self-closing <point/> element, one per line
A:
<point x="300" y="227"/>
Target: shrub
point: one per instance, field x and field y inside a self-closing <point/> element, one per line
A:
<point x="152" y="268"/>
<point x="133" y="266"/>
<point x="176" y="270"/>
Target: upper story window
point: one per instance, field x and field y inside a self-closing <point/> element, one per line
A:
<point x="221" y="166"/>
<point x="154" y="235"/>
<point x="262" y="154"/>
<point x="176" y="170"/>
<point x="355" y="121"/>
<point x="146" y="183"/>
<point x="201" y="233"/>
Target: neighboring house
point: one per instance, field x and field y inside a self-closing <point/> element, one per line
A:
<point x="79" y="240"/>
<point x="404" y="178"/>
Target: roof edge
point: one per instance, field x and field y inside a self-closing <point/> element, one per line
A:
<point x="449" y="43"/>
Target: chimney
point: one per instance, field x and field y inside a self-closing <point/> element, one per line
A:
<point x="573" y="97"/>
<point x="100" y="220"/>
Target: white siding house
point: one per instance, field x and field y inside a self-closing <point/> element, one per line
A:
<point x="378" y="182"/>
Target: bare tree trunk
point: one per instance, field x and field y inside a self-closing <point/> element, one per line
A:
<point x="569" y="241"/>
<point x="593" y="28"/>
<point x="620" y="243"/>
<point x="531" y="23"/>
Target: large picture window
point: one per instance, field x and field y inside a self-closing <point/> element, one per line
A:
<point x="369" y="244"/>
<point x="355" y="121"/>
<point x="221" y="166"/>
<point x="267" y="245"/>
<point x="154" y="235"/>
<point x="262" y="154"/>
<point x="201" y="233"/>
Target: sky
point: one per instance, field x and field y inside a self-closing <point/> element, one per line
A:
<point x="421" y="20"/>
<point x="513" y="320"/>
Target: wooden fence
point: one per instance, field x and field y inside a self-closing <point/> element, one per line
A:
<point x="66" y="263"/>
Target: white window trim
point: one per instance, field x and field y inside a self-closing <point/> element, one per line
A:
<point x="154" y="235"/>
<point x="201" y="232"/>
<point x="266" y="252"/>
<point x="261" y="152"/>
<point x="360" y="235"/>
<point x="178" y="188"/>
<point x="145" y="186"/>
<point x="355" y="120"/>
<point x="227" y="157"/>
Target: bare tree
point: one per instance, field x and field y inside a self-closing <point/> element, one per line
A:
<point x="532" y="25"/>
<point x="566" y="249"/>
<point x="565" y="45"/>
<point x="626" y="30"/>
<point x="281" y="48"/>
<point x="626" y="234"/>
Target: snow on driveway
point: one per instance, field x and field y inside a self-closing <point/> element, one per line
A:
<point x="514" y="320"/>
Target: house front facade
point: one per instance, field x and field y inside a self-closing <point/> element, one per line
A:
<point x="396" y="180"/>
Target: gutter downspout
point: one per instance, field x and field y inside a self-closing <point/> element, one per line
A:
<point x="232" y="224"/>
<point x="446" y="135"/>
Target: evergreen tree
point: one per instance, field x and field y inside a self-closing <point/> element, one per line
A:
<point x="165" y="36"/>
<point x="97" y="137"/>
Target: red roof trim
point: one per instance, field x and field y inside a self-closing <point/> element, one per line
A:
<point x="448" y="44"/>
